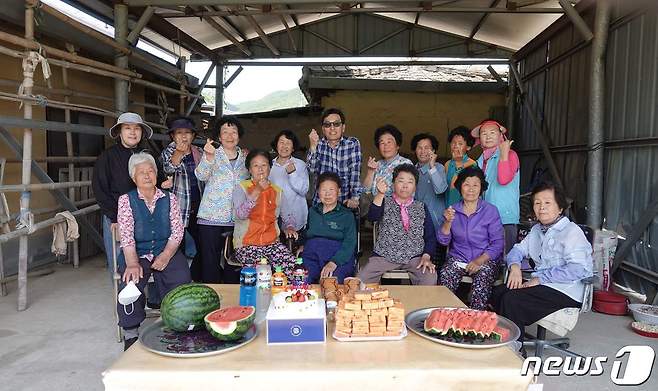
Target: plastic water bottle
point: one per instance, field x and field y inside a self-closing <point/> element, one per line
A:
<point x="264" y="289"/>
<point x="248" y="286"/>
<point x="299" y="274"/>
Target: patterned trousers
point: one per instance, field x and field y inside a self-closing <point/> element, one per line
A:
<point x="277" y="254"/>
<point x="451" y="275"/>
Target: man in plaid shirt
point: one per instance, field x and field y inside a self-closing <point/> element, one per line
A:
<point x="335" y="153"/>
<point x="179" y="160"/>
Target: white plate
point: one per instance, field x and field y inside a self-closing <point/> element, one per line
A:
<point x="370" y="339"/>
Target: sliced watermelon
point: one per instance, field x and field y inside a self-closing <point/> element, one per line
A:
<point x="500" y="334"/>
<point x="231" y="323"/>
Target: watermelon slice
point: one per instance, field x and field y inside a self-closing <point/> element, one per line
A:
<point x="460" y="323"/>
<point x="231" y="323"/>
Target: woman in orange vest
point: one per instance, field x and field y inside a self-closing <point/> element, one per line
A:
<point x="256" y="208"/>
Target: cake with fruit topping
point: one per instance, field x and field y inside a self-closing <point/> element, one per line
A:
<point x="295" y="301"/>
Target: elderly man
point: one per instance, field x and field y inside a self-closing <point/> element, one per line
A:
<point x="151" y="231"/>
<point x="336" y="153"/>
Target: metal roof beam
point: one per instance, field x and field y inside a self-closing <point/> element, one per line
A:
<point x="329" y="41"/>
<point x="339" y="62"/>
<point x="134" y="3"/>
<point x="219" y="28"/>
<point x="577" y="20"/>
<point x="338" y="10"/>
<point x="262" y="35"/>
<point x="292" y="39"/>
<point x="484" y="17"/>
<point x="173" y="33"/>
<point x="141" y="23"/>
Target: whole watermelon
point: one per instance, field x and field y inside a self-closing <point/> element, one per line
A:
<point x="184" y="307"/>
<point x="231" y="323"/>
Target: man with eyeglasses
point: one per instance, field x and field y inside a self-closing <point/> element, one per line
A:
<point x="338" y="154"/>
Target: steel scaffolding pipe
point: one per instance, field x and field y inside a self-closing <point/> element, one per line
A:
<point x="42" y="186"/>
<point x="24" y="232"/>
<point x="64" y="127"/>
<point x="596" y="137"/>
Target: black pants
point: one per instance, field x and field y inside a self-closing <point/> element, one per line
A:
<point x="176" y="273"/>
<point x="525" y="306"/>
<point x="210" y="246"/>
<point x="193" y="229"/>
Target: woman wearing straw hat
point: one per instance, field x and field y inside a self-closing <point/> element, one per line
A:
<point x="111" y="179"/>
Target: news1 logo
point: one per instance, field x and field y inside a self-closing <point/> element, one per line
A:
<point x="639" y="363"/>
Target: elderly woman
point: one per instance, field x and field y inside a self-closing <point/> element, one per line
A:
<point x="257" y="206"/>
<point x="562" y="257"/>
<point x="221" y="169"/>
<point x="474" y="235"/>
<point x="501" y="167"/>
<point x="432" y="179"/>
<point x="460" y="141"/>
<point x="387" y="140"/>
<point x="331" y="234"/>
<point x="291" y="175"/>
<point x="151" y="229"/>
<point x="406" y="237"/>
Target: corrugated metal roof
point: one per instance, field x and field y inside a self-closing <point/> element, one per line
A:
<point x="435" y="73"/>
<point x="507" y="31"/>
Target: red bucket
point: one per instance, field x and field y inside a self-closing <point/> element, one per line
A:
<point x="611" y="303"/>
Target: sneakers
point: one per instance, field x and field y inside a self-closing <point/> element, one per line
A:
<point x="152" y="306"/>
<point x="127" y="343"/>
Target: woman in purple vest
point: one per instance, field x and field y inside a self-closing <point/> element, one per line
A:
<point x="151" y="228"/>
<point x="473" y="232"/>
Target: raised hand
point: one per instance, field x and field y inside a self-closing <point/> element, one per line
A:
<point x="505" y="147"/>
<point x="449" y="214"/>
<point x="313" y="139"/>
<point x="373" y="164"/>
<point x="209" y="149"/>
<point x="382" y="187"/>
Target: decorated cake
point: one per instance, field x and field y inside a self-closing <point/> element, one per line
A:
<point x="295" y="301"/>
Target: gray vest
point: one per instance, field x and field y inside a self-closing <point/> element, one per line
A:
<point x="393" y="242"/>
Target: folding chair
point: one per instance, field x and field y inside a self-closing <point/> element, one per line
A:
<point x="562" y="321"/>
<point x="116" y="281"/>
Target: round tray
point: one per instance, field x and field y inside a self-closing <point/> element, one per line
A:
<point x="160" y="340"/>
<point x="415" y="321"/>
<point x="643" y="333"/>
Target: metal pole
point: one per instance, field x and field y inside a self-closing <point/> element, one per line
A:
<point x="24" y="232"/>
<point x="183" y="79"/>
<point x="511" y="103"/>
<point x="42" y="186"/>
<point x="596" y="140"/>
<point x="219" y="89"/>
<point x="536" y="124"/>
<point x="201" y="87"/>
<point x="42" y="176"/>
<point x="576" y="19"/>
<point x="69" y="152"/>
<point x="28" y="74"/>
<point x="141" y="23"/>
<point x="121" y="59"/>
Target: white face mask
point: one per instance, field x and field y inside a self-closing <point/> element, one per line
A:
<point x="128" y="296"/>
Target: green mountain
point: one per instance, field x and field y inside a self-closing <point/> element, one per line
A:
<point x="274" y="101"/>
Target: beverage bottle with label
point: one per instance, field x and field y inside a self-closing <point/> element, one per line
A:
<point x="279" y="280"/>
<point x="299" y="273"/>
<point x="248" y="286"/>
<point x="263" y="287"/>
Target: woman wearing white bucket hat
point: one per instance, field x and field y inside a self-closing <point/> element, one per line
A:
<point x="111" y="179"/>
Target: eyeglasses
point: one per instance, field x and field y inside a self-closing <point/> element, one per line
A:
<point x="335" y="124"/>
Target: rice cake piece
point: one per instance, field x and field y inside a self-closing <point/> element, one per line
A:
<point x="353" y="305"/>
<point x="392" y="333"/>
<point x="342" y="334"/>
<point x="369" y="305"/>
<point x="385" y="303"/>
<point x="379" y="294"/>
<point x="363" y="295"/>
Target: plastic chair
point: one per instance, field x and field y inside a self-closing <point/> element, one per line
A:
<point x="562" y="321"/>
